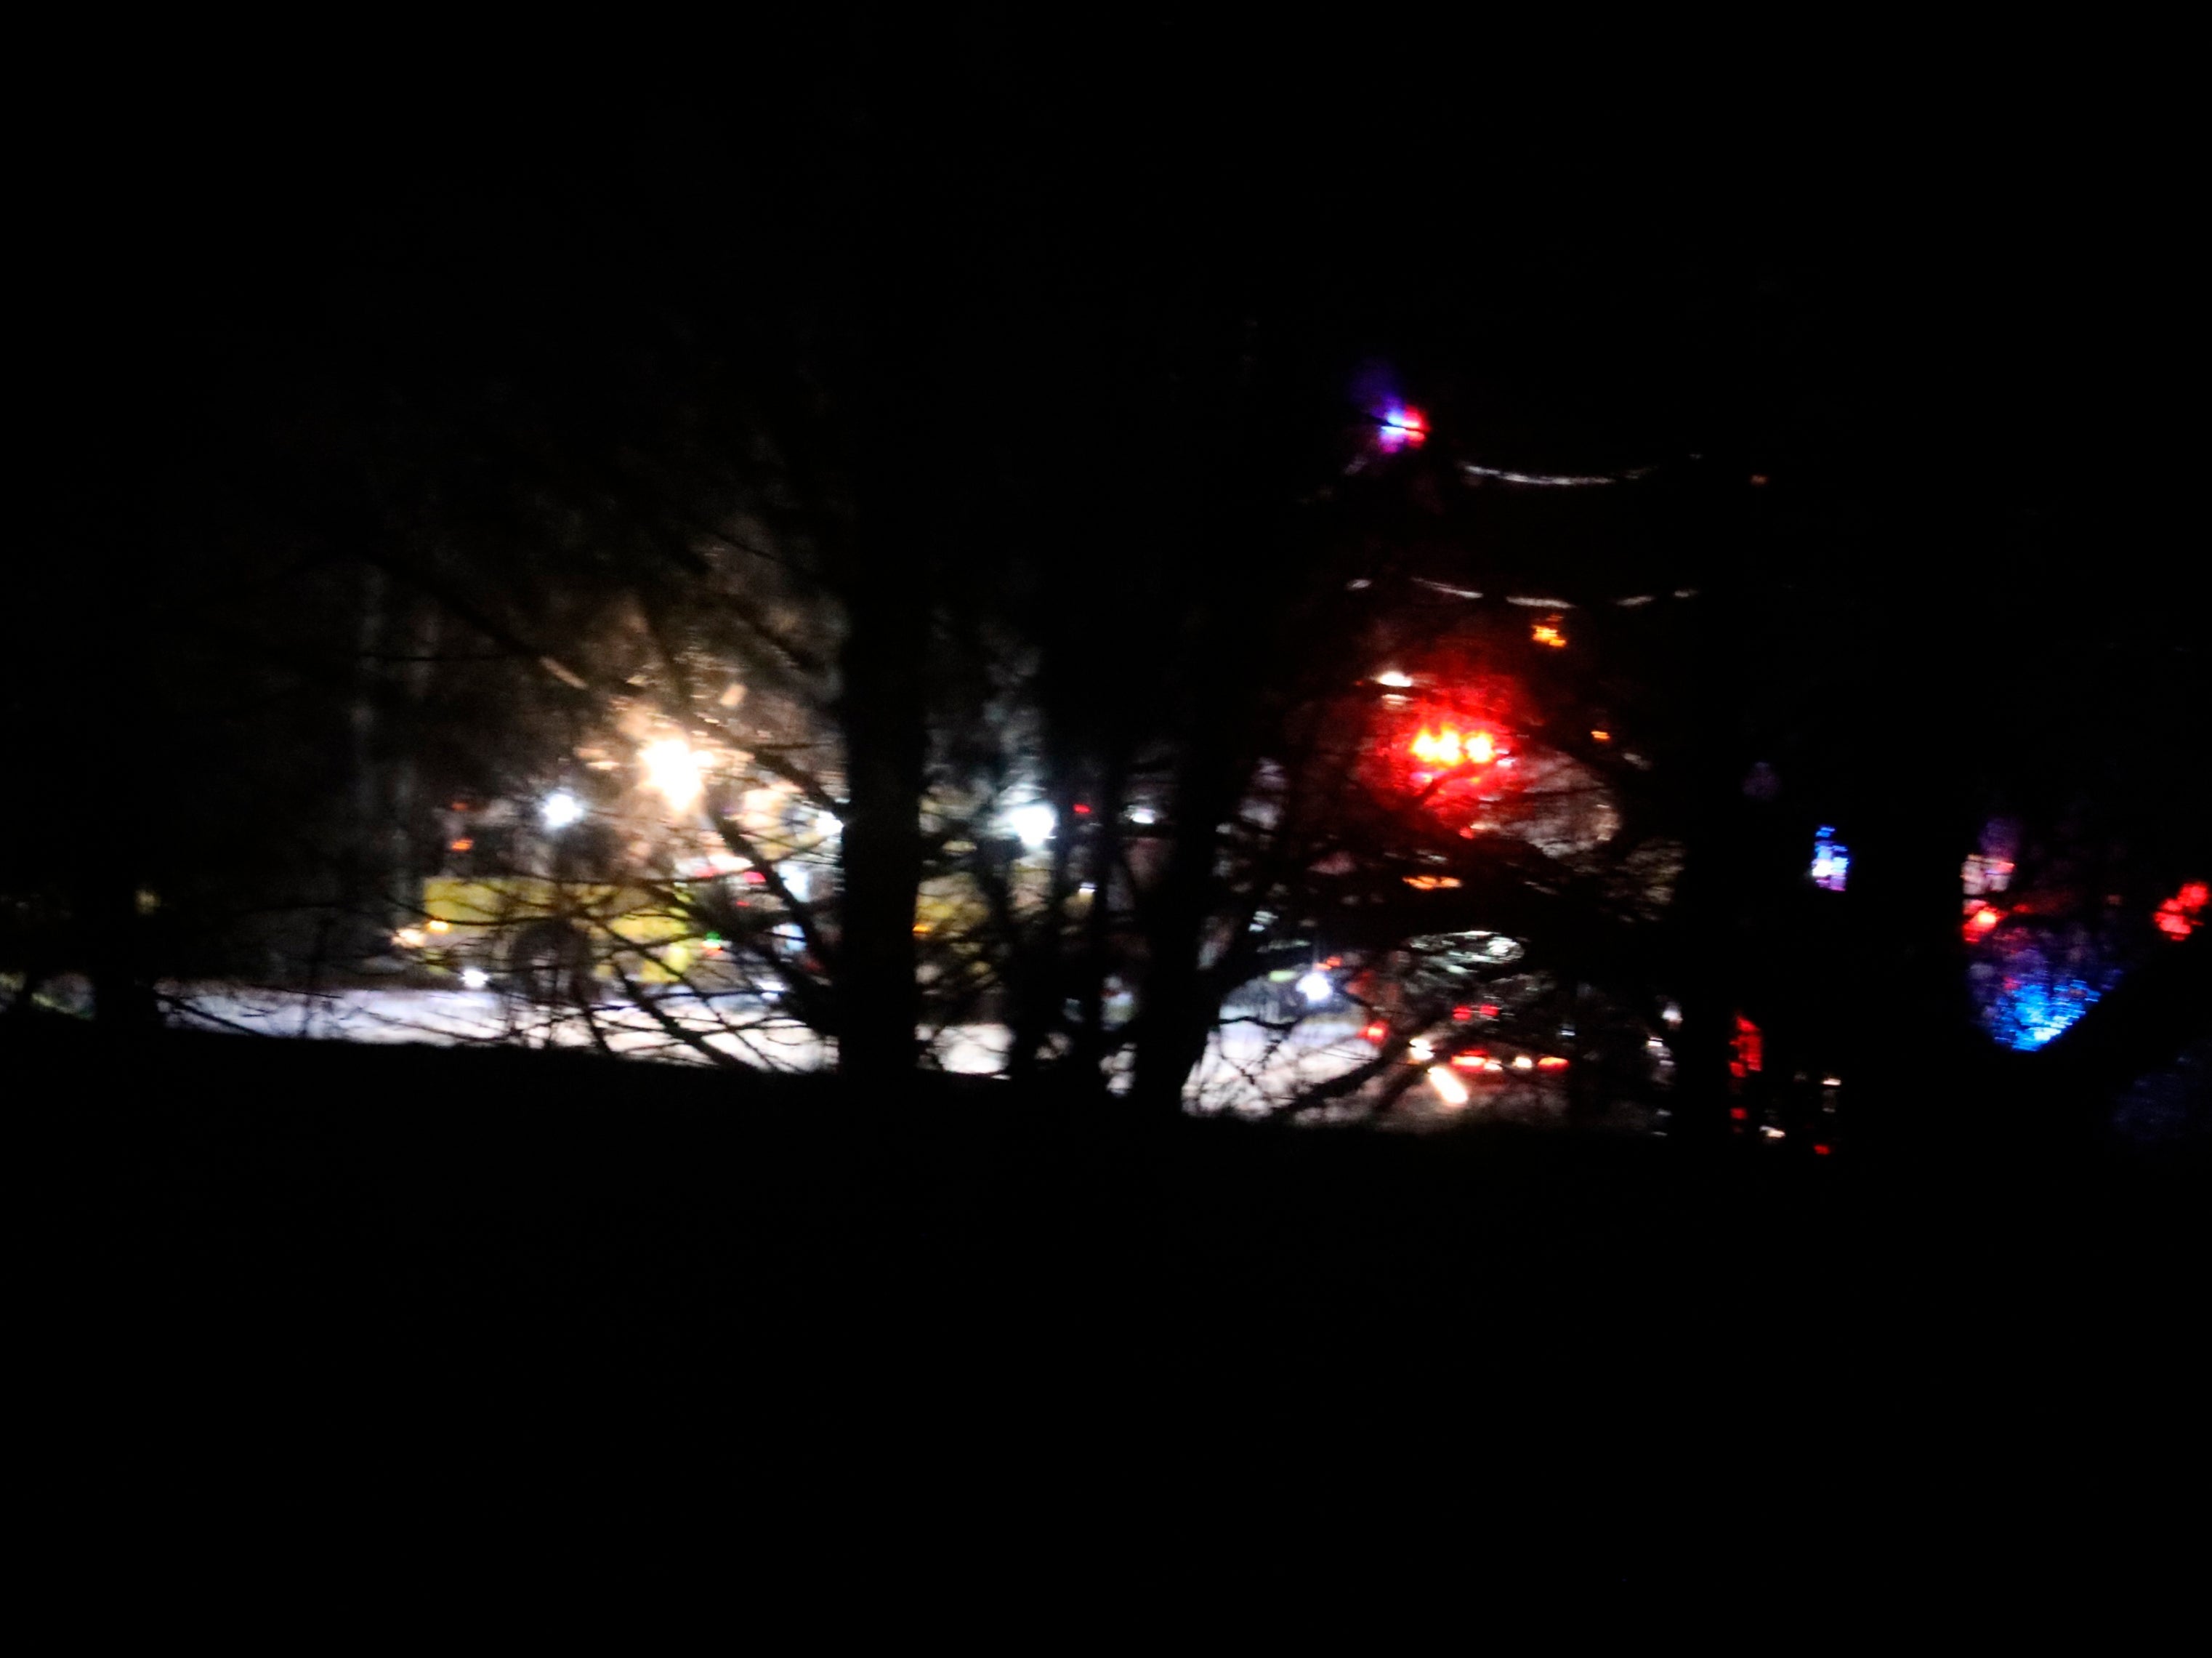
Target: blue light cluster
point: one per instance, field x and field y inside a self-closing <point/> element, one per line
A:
<point x="2037" y="986"/>
<point x="2028" y="1016"/>
<point x="1831" y="861"/>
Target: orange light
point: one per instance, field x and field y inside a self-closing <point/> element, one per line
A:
<point x="1982" y="922"/>
<point x="1544" y="633"/>
<point x="1551" y="1064"/>
<point x="463" y="843"/>
<point x="1431" y="883"/>
<point x="1376" y="1031"/>
<point x="1472" y="1061"/>
<point x="1448" y="747"/>
<point x="1437" y="748"/>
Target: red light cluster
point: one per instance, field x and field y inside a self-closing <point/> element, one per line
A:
<point x="2177" y="917"/>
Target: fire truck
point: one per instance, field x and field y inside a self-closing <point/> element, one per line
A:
<point x="570" y="898"/>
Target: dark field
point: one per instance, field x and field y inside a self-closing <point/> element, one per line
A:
<point x="488" y="1293"/>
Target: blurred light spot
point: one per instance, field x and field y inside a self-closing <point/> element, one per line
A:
<point x="560" y="809"/>
<point x="1316" y="988"/>
<point x="1448" y="1087"/>
<point x="475" y="979"/>
<point x="1750" y="1046"/>
<point x="1403" y="428"/>
<point x="1831" y="861"/>
<point x="672" y="768"/>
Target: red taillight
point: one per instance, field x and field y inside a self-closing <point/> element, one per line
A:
<point x="1737" y="1114"/>
<point x="1376" y="1031"/>
<point x="1469" y="1061"/>
<point x="1550" y="1064"/>
<point x="1820" y="1151"/>
<point x="1461" y="1015"/>
<point x="755" y="878"/>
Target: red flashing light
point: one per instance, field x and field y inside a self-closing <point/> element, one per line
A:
<point x="1738" y="1114"/>
<point x="1982" y="922"/>
<point x="1081" y="810"/>
<point x="1488" y="1010"/>
<point x="1376" y="1031"/>
<point x="1448" y="747"/>
<point x="1404" y="428"/>
<point x="2194" y="895"/>
<point x="1461" y="1015"/>
<point x="1750" y="1048"/>
<point x="1821" y="1151"/>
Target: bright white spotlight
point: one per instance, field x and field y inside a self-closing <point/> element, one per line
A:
<point x="673" y="769"/>
<point x="1316" y="987"/>
<point x="1034" y="824"/>
<point x="475" y="979"/>
<point x="560" y="809"/>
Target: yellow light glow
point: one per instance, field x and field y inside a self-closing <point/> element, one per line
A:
<point x="411" y="938"/>
<point x="1448" y="1087"/>
<point x="1544" y="633"/>
<point x="673" y="769"/>
<point x="1601" y="736"/>
<point x="1449" y="747"/>
<point x="441" y="926"/>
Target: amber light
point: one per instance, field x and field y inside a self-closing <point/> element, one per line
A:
<point x="1449" y="747"/>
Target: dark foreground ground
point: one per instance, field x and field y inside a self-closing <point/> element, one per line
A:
<point x="289" y="1297"/>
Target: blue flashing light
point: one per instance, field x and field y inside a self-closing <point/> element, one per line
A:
<point x="2034" y="987"/>
<point x="1403" y="428"/>
<point x="1832" y="861"/>
<point x="2033" y="1015"/>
